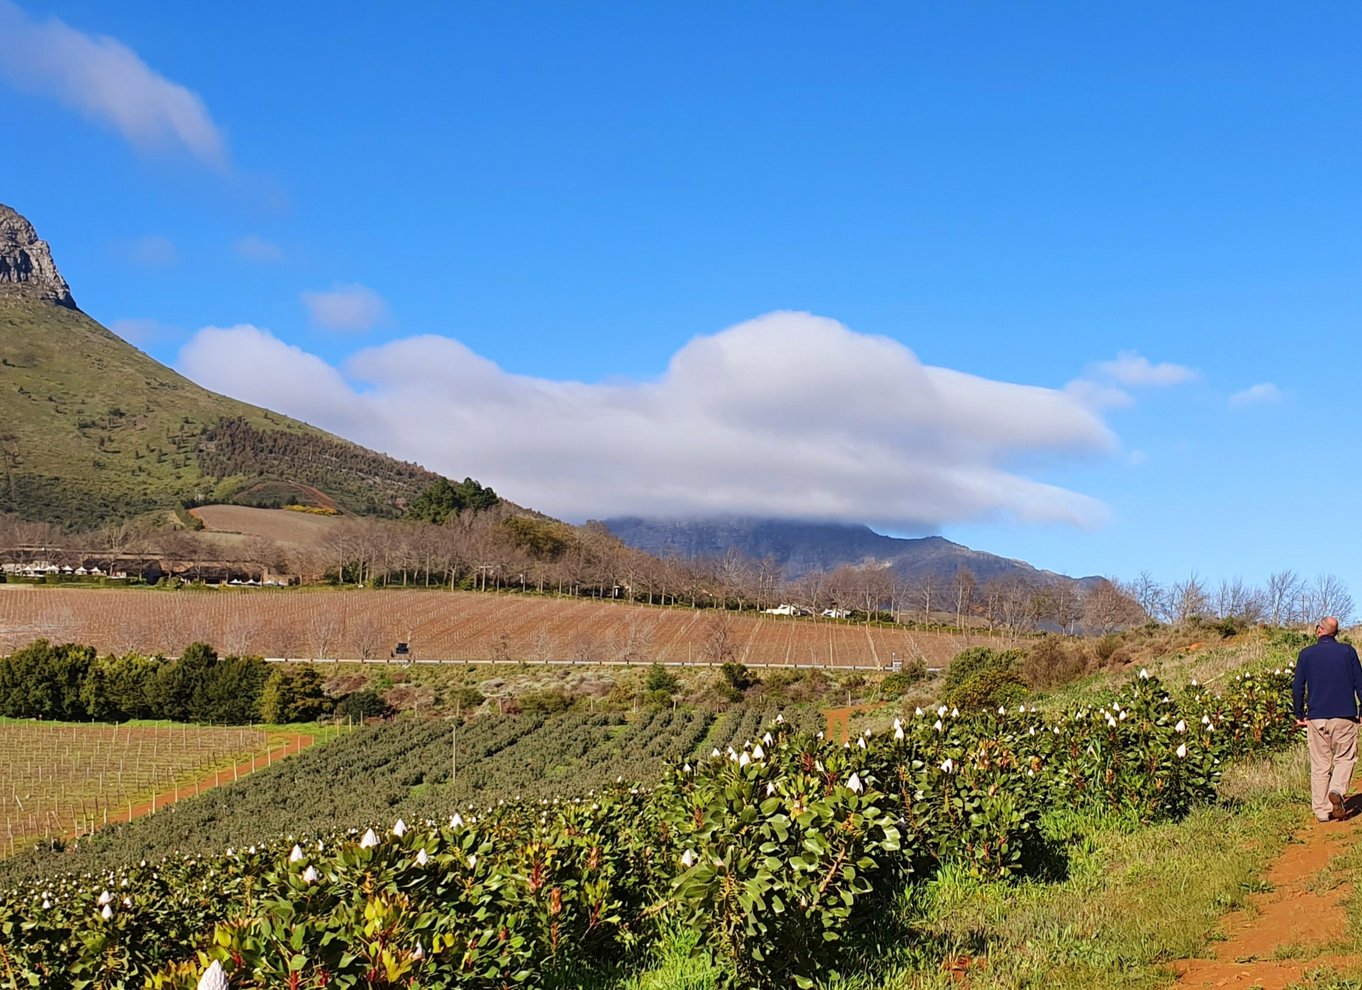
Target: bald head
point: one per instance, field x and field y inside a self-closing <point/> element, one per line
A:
<point x="1328" y="626"/>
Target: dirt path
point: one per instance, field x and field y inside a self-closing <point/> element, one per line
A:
<point x="1294" y="927"/>
<point x="296" y="744"/>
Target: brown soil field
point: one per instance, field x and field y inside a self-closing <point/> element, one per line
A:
<point x="445" y="625"/>
<point x="279" y="525"/>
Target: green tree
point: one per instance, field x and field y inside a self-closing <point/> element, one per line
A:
<point x="660" y="679"/>
<point x="293" y="693"/>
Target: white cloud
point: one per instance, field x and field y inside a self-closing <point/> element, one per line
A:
<point x="1136" y="371"/>
<point x="1255" y="395"/>
<point x="788" y="415"/>
<point x="255" y="248"/>
<point x="107" y="82"/>
<point x="252" y="364"/>
<point x="1098" y="395"/>
<point x="141" y="332"/>
<point x="346" y="307"/>
<point x="151" y="251"/>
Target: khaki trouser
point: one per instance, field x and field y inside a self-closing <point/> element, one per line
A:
<point x="1333" y="753"/>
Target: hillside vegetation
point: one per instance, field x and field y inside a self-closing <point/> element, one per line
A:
<point x="92" y="430"/>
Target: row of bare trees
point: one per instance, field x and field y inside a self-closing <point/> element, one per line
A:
<point x="500" y="550"/>
<point x="1285" y="599"/>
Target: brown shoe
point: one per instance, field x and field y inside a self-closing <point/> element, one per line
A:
<point x="1339" y="812"/>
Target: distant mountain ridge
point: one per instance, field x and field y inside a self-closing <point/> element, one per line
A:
<point x="798" y="548"/>
<point x="94" y="430"/>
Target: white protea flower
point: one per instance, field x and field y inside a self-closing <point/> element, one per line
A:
<point x="715" y="752"/>
<point x="369" y="841"/>
<point x="1123" y="715"/>
<point x="422" y="858"/>
<point x="296" y="855"/>
<point x="106" y="913"/>
<point x="1205" y="720"/>
<point x="1002" y="710"/>
<point x="1194" y="683"/>
<point x="47" y="905"/>
<point x="400" y="828"/>
<point x="780" y="720"/>
<point x="1144" y="674"/>
<point x="418" y="952"/>
<point x="1182" y="752"/>
<point x="127" y="902"/>
<point x="854" y="784"/>
<point x="1180" y="727"/>
<point x="213" y="978"/>
<point x="861" y="742"/>
<point x="770" y="787"/>
<point x="686" y="769"/>
<point x="942" y="710"/>
<point x="320" y="845"/>
<point x="758" y="753"/>
<point x="104" y="898"/>
<point x="938" y="726"/>
<point x="688" y="858"/>
<point x="1031" y="731"/>
<point x="919" y="712"/>
<point x="744" y="760"/>
<point x="947" y="765"/>
<point x="898" y="730"/>
<point x="767" y="739"/>
<point x="310" y="875"/>
<point x="955" y="713"/>
<point x="252" y="850"/>
<point x="472" y="860"/>
<point x="455" y="820"/>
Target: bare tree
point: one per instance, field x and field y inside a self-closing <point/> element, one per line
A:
<point x="323" y="634"/>
<point x="1150" y="596"/>
<point x="1283" y="597"/>
<point x="1108" y="607"/>
<point x="1188" y="599"/>
<point x="964" y="586"/>
<point x="1236" y="600"/>
<point x="1328" y="595"/>
<point x="720" y="644"/>
<point x="366" y="639"/>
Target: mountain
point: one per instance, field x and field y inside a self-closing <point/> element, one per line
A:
<point x="92" y="429"/>
<point x="800" y="547"/>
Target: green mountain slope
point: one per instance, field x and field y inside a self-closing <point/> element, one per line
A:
<point x="92" y="429"/>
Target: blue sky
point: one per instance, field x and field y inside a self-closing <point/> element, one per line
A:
<point x="1068" y="282"/>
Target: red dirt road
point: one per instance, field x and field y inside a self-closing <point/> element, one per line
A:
<point x="293" y="746"/>
<point x="1294" y="928"/>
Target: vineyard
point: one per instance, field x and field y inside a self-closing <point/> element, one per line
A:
<point x="775" y="847"/>
<point x="67" y="780"/>
<point x="445" y="625"/>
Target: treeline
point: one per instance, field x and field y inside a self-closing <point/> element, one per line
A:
<point x="360" y="480"/>
<point x="69" y="682"/>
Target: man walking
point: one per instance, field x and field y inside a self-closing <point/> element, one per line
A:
<point x="1327" y="688"/>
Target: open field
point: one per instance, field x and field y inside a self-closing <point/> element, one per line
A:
<point x="62" y="779"/>
<point x="243" y="522"/>
<point x="445" y="625"/>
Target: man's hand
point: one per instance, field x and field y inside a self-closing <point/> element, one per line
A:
<point x="1302" y="723"/>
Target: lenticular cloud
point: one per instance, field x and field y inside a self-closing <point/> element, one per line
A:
<point x="788" y="415"/>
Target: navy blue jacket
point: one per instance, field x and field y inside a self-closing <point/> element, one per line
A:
<point x="1330" y="674"/>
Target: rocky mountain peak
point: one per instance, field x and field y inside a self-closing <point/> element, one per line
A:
<point x="26" y="265"/>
